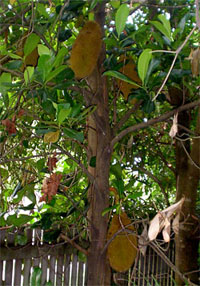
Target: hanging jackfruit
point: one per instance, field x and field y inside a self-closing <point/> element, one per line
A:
<point x="86" y="50"/>
<point x="129" y="70"/>
<point x="122" y="250"/>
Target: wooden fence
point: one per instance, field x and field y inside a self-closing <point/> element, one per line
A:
<point x="61" y="265"/>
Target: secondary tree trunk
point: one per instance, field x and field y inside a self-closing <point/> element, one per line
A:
<point x="188" y="176"/>
<point x="99" y="146"/>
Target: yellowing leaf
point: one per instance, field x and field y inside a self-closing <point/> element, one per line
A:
<point x="51" y="137"/>
<point x="122" y="250"/>
<point x="86" y="50"/>
<point x="12" y="2"/>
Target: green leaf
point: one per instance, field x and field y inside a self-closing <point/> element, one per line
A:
<point x="121" y="18"/>
<point x="106" y="210"/>
<point x="3" y="173"/>
<point x="4" y="79"/>
<point x="21" y="239"/>
<point x="116" y="170"/>
<point x="115" y="3"/>
<point x="43" y="50"/>
<point x="19" y="221"/>
<point x="36" y="277"/>
<point x="74" y="134"/>
<point x="120" y="76"/>
<point x="55" y="72"/>
<point x="93" y="162"/>
<point x="143" y="63"/>
<point x="63" y="111"/>
<point x="42" y="10"/>
<point x="28" y="73"/>
<point x="60" y="56"/>
<point x="161" y="28"/>
<point x="166" y="24"/>
<point x="45" y="65"/>
<point x="31" y="44"/>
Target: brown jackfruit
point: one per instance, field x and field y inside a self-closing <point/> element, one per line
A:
<point x="122" y="250"/>
<point x="129" y="70"/>
<point x="86" y="50"/>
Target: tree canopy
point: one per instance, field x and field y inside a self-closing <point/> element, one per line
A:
<point x="99" y="100"/>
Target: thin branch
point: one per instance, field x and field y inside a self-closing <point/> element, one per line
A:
<point x="154" y="178"/>
<point x="173" y="63"/>
<point x="73" y="243"/>
<point x="126" y="116"/>
<point x="27" y="158"/>
<point x="15" y="73"/>
<point x="153" y="121"/>
<point x="89" y="175"/>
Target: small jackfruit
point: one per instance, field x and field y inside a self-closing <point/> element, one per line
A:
<point x="129" y="70"/>
<point x="86" y="50"/>
<point x="122" y="250"/>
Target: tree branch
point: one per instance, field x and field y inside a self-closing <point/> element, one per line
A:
<point x="153" y="121"/>
<point x="126" y="116"/>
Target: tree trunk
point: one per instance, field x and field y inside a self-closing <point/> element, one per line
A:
<point x="99" y="139"/>
<point x="188" y="175"/>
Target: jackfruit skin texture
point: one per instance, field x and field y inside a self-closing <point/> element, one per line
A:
<point x="130" y="71"/>
<point x="122" y="250"/>
<point x="86" y="50"/>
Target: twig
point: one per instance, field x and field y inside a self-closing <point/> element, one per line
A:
<point x="91" y="178"/>
<point x="19" y="74"/>
<point x="198" y="167"/>
<point x="153" y="121"/>
<point x="173" y="63"/>
<point x="77" y="246"/>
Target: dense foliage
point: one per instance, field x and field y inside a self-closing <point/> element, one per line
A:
<point x="45" y="104"/>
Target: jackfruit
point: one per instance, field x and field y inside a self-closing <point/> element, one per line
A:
<point x="122" y="250"/>
<point x="86" y="49"/>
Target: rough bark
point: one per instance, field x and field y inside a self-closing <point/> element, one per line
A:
<point x="188" y="176"/>
<point x="99" y="139"/>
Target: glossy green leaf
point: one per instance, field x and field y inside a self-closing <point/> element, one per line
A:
<point x="74" y="134"/>
<point x="43" y="50"/>
<point x="115" y="3"/>
<point x="161" y="28"/>
<point x="120" y="76"/>
<point x="28" y="73"/>
<point x="166" y="24"/>
<point x="55" y="72"/>
<point x="143" y="63"/>
<point x="59" y="57"/>
<point x="121" y="18"/>
<point x="31" y="44"/>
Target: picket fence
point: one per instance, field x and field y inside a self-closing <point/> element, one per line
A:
<point x="61" y="265"/>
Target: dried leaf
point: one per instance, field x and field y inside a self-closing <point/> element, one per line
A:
<point x="174" y="129"/>
<point x="12" y="2"/>
<point x="166" y="230"/>
<point x="175" y="224"/>
<point x="51" y="137"/>
<point x="10" y="126"/>
<point x="86" y="50"/>
<point x="154" y="227"/>
<point x="50" y="187"/>
<point x="122" y="250"/>
<point x="51" y="163"/>
<point x="130" y="71"/>
<point x="162" y="219"/>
